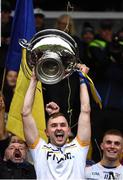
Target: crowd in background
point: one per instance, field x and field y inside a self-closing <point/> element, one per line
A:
<point x="101" y="50"/>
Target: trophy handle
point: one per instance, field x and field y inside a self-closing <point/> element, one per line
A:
<point x="24" y="43"/>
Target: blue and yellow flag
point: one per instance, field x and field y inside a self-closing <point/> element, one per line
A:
<point x="23" y="27"/>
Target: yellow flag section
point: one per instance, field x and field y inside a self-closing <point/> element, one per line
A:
<point x="14" y="123"/>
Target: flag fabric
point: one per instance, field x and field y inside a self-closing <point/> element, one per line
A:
<point x="14" y="123"/>
<point x="23" y="27"/>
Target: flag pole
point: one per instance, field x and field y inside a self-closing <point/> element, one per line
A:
<point x="3" y="81"/>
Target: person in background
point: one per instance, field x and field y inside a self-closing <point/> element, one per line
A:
<point x="11" y="77"/>
<point x="98" y="50"/>
<point x="88" y="32"/>
<point x="15" y="164"/>
<point x="87" y="36"/>
<point x="120" y="32"/>
<point x="58" y="159"/>
<point x="109" y="167"/>
<point x="39" y="19"/>
<point x="66" y="23"/>
<point x="9" y="87"/>
<point x="13" y="153"/>
<point x="4" y="140"/>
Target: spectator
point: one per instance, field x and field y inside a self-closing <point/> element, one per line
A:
<point x="3" y="134"/>
<point x="98" y="50"/>
<point x="13" y="153"/>
<point x="9" y="87"/>
<point x="58" y="159"/>
<point x="120" y="32"/>
<point x="15" y="165"/>
<point x="109" y="167"/>
<point x="11" y="78"/>
<point x="87" y="36"/>
<point x="39" y="19"/>
<point x="88" y="33"/>
<point x="66" y="23"/>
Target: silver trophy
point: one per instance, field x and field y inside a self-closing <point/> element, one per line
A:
<point x="54" y="54"/>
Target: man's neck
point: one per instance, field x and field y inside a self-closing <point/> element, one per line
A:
<point x="109" y="163"/>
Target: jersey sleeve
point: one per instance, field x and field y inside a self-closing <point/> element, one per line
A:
<point x="36" y="147"/>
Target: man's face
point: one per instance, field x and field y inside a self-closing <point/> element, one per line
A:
<point x="39" y="21"/>
<point x="2" y="104"/>
<point x="112" y="147"/>
<point x="58" y="130"/>
<point x="106" y="35"/>
<point x="12" y="78"/>
<point x="88" y="37"/>
<point x="16" y="152"/>
<point x="63" y="23"/>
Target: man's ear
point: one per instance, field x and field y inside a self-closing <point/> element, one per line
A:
<point x="101" y="145"/>
<point x="46" y="132"/>
<point x="122" y="148"/>
<point x="70" y="134"/>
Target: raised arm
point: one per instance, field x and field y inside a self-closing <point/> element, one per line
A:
<point x="84" y="127"/>
<point x="29" y="125"/>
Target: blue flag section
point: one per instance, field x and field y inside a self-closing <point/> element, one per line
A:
<point x="23" y="27"/>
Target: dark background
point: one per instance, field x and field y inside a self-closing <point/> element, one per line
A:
<point x="79" y="5"/>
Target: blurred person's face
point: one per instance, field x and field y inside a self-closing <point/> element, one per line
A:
<point x="112" y="147"/>
<point x="39" y="22"/>
<point x="62" y="23"/>
<point x="58" y="130"/>
<point x="5" y="16"/>
<point x="121" y="34"/>
<point x="106" y="35"/>
<point x="16" y="151"/>
<point x="11" y="78"/>
<point x="2" y="104"/>
<point x="88" y="37"/>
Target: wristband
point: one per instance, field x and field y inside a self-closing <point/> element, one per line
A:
<point x="82" y="81"/>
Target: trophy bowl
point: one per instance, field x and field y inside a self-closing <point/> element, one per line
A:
<point x="53" y="53"/>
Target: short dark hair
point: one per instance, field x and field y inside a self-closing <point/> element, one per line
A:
<point x="54" y="115"/>
<point x="20" y="140"/>
<point x="87" y="27"/>
<point x="113" y="132"/>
